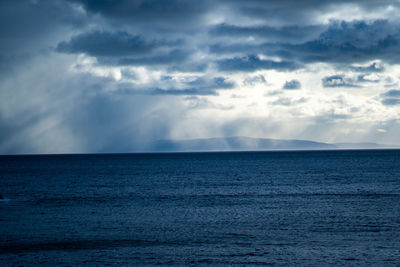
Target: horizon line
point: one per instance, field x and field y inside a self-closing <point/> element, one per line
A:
<point x="201" y="151"/>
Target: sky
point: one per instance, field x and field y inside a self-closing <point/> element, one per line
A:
<point x="80" y="76"/>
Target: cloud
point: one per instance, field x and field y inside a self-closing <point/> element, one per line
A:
<point x="292" y="85"/>
<point x="102" y="75"/>
<point x="109" y="44"/>
<point x="391" y="101"/>
<point x="40" y="23"/>
<point x="253" y="80"/>
<point x="350" y="42"/>
<point x="177" y="13"/>
<point x="187" y="13"/>
<point x="337" y="81"/>
<point x="163" y="58"/>
<point x="189" y="91"/>
<point x="198" y="86"/>
<point x="202" y="103"/>
<point x="124" y="49"/>
<point x="373" y="67"/>
<point x="28" y="28"/>
<point x="294" y="33"/>
<point x="253" y="63"/>
<point x="391" y="98"/>
<point x="304" y="12"/>
<point x="285" y="101"/>
<point x="342" y="42"/>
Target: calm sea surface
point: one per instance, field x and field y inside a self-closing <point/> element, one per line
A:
<point x="241" y="208"/>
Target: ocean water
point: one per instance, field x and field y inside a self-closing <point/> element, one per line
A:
<point x="309" y="208"/>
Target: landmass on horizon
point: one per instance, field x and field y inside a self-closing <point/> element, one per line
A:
<point x="241" y="143"/>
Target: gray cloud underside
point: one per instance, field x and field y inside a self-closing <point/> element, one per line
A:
<point x="110" y="44"/>
<point x="391" y="101"/>
<point x="171" y="57"/>
<point x="292" y="85"/>
<point x="363" y="78"/>
<point x="293" y="11"/>
<point x="27" y="29"/>
<point x="122" y="48"/>
<point x="392" y="93"/>
<point x="257" y="79"/>
<point x="199" y="86"/>
<point x="46" y="107"/>
<point x="374" y="67"/>
<point x="339" y="42"/>
<point x="253" y="63"/>
<point x="342" y="42"/>
<point x="189" y="91"/>
<point x="337" y="81"/>
<point x="285" y="101"/>
<point x="291" y="33"/>
<point x="174" y="13"/>
<point x="184" y="13"/>
<point x="391" y="98"/>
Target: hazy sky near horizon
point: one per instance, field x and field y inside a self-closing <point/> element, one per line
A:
<point x="114" y="76"/>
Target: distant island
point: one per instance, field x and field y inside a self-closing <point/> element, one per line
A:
<point x="239" y="143"/>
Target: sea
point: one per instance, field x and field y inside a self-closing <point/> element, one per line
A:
<point x="277" y="208"/>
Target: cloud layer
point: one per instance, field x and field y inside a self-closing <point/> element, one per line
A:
<point x="100" y="75"/>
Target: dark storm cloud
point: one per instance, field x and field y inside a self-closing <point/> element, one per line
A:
<point x="337" y="42"/>
<point x="109" y="44"/>
<point x="253" y="63"/>
<point x="363" y="78"/>
<point x="179" y="13"/>
<point x="28" y="28"/>
<point x="35" y="20"/>
<point x="342" y="42"/>
<point x="295" y="33"/>
<point x="392" y="93"/>
<point x="337" y="81"/>
<point x="234" y="48"/>
<point x="182" y="13"/>
<point x="217" y="82"/>
<point x="122" y="48"/>
<point x="202" y="87"/>
<point x="163" y="58"/>
<point x="349" y="42"/>
<point x="198" y="86"/>
<point x="297" y="11"/>
<point x="292" y="85"/>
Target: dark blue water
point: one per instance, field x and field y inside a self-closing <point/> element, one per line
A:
<point x="251" y="208"/>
